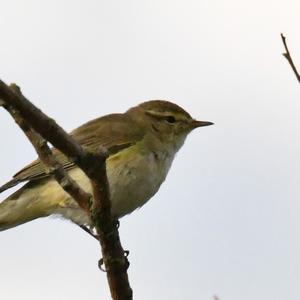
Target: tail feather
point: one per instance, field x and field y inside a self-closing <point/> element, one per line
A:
<point x="21" y="207"/>
<point x="8" y="218"/>
<point x="41" y="198"/>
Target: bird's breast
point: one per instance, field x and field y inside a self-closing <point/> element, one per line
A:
<point x="134" y="177"/>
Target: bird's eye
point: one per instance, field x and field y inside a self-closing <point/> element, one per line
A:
<point x="170" y="119"/>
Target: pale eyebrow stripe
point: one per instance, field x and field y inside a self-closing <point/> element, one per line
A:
<point x="161" y="115"/>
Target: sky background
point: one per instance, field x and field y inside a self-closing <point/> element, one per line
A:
<point x="227" y="219"/>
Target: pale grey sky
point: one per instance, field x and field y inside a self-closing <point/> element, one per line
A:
<point x="227" y="219"/>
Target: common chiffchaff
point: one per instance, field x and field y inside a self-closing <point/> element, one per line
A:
<point x="142" y="143"/>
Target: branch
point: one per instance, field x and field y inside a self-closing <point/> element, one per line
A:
<point x="36" y="125"/>
<point x="287" y="55"/>
<point x="41" y="123"/>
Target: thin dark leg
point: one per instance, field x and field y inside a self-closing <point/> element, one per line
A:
<point x="89" y="231"/>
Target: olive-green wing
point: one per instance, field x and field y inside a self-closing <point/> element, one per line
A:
<point x="113" y="132"/>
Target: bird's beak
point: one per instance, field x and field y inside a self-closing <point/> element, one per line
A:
<point x="196" y="124"/>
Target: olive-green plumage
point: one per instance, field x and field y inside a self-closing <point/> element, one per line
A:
<point x="142" y="144"/>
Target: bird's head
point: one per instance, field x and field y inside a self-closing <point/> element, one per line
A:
<point x="166" y="120"/>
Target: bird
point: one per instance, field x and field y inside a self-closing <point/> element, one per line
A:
<point x="141" y="145"/>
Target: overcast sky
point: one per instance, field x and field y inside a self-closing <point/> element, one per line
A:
<point x="227" y="219"/>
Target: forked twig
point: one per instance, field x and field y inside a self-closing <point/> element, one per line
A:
<point x="288" y="56"/>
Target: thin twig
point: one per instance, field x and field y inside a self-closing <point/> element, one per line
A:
<point x="94" y="166"/>
<point x="288" y="56"/>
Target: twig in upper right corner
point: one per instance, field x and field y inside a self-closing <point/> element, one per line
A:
<point x="287" y="55"/>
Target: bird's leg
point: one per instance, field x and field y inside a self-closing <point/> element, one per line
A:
<point x="89" y="231"/>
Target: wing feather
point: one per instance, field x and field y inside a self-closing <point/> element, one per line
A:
<point x="113" y="132"/>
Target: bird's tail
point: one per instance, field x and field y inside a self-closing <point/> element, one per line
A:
<point x="23" y="206"/>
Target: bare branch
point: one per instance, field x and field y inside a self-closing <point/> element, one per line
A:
<point x="42" y="124"/>
<point x="94" y="166"/>
<point x="288" y="56"/>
